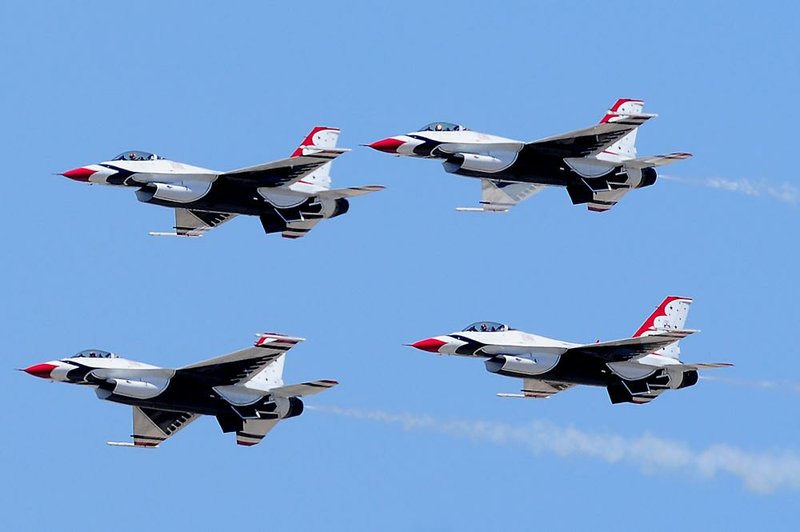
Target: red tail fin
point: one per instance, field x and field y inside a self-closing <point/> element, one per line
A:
<point x="670" y="314"/>
<point x="623" y="106"/>
<point x="320" y="137"/>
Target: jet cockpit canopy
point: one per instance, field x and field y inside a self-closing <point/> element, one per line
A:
<point x="487" y="326"/>
<point x="95" y="353"/>
<point x="135" y="155"/>
<point x="443" y="126"/>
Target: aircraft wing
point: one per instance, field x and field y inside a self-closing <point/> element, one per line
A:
<point x="254" y="430"/>
<point x="500" y="196"/>
<point x="628" y="348"/>
<point x="241" y="366"/>
<point x="589" y="141"/>
<point x="192" y="223"/>
<point x="151" y="427"/>
<point x="539" y="389"/>
<point x="286" y="171"/>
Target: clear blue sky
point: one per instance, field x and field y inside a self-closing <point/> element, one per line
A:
<point x="230" y="86"/>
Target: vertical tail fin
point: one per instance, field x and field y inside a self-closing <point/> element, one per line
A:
<point x="670" y="314"/>
<point x="320" y="137"/>
<point x="626" y="146"/>
<point x="272" y="374"/>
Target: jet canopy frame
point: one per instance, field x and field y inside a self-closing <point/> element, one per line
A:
<point x="136" y="155"/>
<point x="443" y="126"/>
<point x="94" y="353"/>
<point x="487" y="326"/>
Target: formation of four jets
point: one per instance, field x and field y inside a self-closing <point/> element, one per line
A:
<point x="244" y="390"/>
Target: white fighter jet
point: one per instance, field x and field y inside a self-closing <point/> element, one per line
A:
<point x="243" y="390"/>
<point x="290" y="196"/>
<point x="597" y="165"/>
<point x="633" y="370"/>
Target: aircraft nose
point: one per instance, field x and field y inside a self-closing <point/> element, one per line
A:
<point x="42" y="371"/>
<point x="80" y="174"/>
<point x="431" y="345"/>
<point x="388" y="145"/>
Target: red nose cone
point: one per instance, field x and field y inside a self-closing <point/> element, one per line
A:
<point x="431" y="345"/>
<point x="79" y="174"/>
<point x="389" y="145"/>
<point x="40" y="370"/>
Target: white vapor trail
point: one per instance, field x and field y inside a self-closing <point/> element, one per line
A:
<point x="761" y="472"/>
<point x="762" y="384"/>
<point x="783" y="192"/>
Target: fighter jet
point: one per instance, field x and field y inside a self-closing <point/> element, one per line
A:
<point x="633" y="370"/>
<point x="597" y="165"/>
<point x="243" y="390"/>
<point x="290" y="196"/>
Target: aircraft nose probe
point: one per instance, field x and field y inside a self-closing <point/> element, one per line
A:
<point x="388" y="145"/>
<point x="430" y="345"/>
<point x="79" y="174"/>
<point x="42" y="371"/>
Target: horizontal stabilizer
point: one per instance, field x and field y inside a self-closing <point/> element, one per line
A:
<point x="705" y="365"/>
<point x="656" y="160"/>
<point x="304" y="389"/>
<point x="350" y="192"/>
<point x="254" y="430"/>
<point x="300" y="228"/>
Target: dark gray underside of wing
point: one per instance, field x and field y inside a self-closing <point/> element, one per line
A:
<point x="282" y="172"/>
<point x="190" y="222"/>
<point x="575" y="146"/>
<point x="587" y="141"/>
<point x="211" y="219"/>
<point x="168" y="422"/>
<point x="628" y="348"/>
<point x="274" y="177"/>
<point x="234" y="371"/>
<point x="152" y="426"/>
